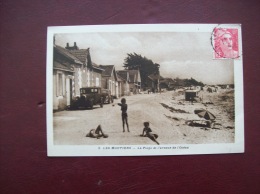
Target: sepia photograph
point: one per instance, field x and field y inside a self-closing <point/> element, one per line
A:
<point x="155" y="89"/>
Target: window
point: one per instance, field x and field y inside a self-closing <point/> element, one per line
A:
<point x="110" y="85"/>
<point x="94" y="90"/>
<point x="60" y="84"/>
<point x="97" y="81"/>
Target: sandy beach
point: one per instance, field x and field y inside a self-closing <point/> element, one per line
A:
<point x="168" y="114"/>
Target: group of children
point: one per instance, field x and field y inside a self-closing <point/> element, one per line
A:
<point x="147" y="132"/>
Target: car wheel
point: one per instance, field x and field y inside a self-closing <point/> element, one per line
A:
<point x="74" y="107"/>
<point x="91" y="105"/>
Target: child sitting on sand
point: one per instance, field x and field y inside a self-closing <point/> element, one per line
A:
<point x="149" y="133"/>
<point x="96" y="133"/>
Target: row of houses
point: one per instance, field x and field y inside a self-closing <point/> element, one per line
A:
<point x="74" y="69"/>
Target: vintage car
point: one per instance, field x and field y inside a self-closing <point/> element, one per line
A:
<point x="90" y="96"/>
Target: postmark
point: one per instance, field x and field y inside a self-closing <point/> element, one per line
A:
<point x="225" y="43"/>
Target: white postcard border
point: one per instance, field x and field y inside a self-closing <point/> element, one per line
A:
<point x="145" y="150"/>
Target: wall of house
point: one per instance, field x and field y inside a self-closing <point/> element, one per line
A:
<point x="125" y="88"/>
<point x="132" y="87"/>
<point x="111" y="84"/>
<point x="84" y="77"/>
<point x="95" y="79"/>
<point x="120" y="89"/>
<point x="60" y="89"/>
<point x="125" y="91"/>
<point x="78" y="80"/>
<point x="91" y="78"/>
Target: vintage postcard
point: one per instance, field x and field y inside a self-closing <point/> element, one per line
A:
<point x="136" y="90"/>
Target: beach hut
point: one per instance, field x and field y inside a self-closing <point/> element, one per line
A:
<point x="190" y="95"/>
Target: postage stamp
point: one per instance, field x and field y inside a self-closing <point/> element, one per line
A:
<point x="138" y="90"/>
<point x="225" y="43"/>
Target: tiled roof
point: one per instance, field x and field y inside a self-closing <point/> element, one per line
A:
<point x="133" y="75"/>
<point x="120" y="79"/>
<point x="108" y="70"/>
<point x="66" y="53"/>
<point x="81" y="54"/>
<point x="133" y="72"/>
<point x="123" y="74"/>
<point x="57" y="65"/>
<point x="95" y="65"/>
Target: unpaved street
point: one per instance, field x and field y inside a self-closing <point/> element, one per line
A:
<point x="164" y="111"/>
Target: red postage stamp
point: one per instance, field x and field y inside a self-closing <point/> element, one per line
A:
<point x="225" y="43"/>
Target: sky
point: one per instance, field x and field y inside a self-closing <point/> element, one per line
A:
<point x="180" y="54"/>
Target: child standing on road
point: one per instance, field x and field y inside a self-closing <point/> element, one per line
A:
<point x="124" y="113"/>
<point x="149" y="133"/>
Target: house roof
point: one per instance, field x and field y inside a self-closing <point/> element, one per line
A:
<point x="123" y="74"/>
<point x="95" y="66"/>
<point x="130" y="75"/>
<point x="108" y="70"/>
<point x="133" y="72"/>
<point x="120" y="79"/>
<point x="81" y="54"/>
<point x="57" y="65"/>
<point x="133" y="75"/>
<point x="67" y="54"/>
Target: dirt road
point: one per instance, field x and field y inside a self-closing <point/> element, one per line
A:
<point x="164" y="111"/>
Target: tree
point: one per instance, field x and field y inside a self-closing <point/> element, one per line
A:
<point x="146" y="66"/>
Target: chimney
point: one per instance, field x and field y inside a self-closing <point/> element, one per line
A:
<point x="89" y="62"/>
<point x="75" y="47"/>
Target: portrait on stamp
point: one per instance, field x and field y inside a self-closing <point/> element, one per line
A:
<point x="225" y="43"/>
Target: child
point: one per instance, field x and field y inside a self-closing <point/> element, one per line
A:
<point x="97" y="133"/>
<point x="124" y="113"/>
<point x="149" y="133"/>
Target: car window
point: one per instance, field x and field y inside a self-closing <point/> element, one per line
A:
<point x="89" y="90"/>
